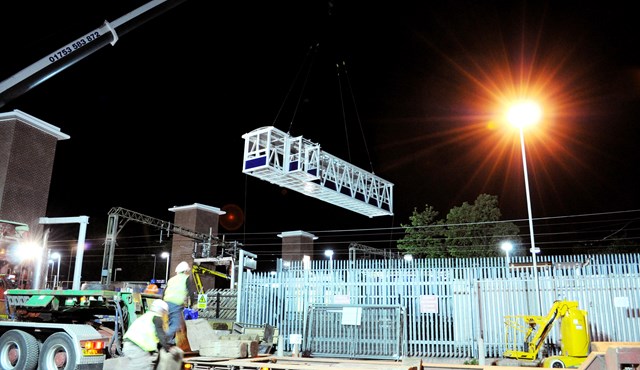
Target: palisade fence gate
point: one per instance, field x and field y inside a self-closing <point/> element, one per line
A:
<point x="456" y="308"/>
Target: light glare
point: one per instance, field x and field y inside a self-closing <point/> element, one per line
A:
<point x="507" y="246"/>
<point x="524" y="113"/>
<point x="27" y="251"/>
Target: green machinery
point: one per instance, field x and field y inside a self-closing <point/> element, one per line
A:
<point x="79" y="327"/>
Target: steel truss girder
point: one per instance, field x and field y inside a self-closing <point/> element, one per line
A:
<point x="299" y="164"/>
<point x="114" y="226"/>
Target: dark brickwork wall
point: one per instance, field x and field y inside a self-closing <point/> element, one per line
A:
<point x="7" y="131"/>
<point x="27" y="157"/>
<point x="198" y="220"/>
<point x="296" y="247"/>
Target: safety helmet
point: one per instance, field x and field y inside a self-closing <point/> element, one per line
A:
<point x="182" y="267"/>
<point x="159" y="306"/>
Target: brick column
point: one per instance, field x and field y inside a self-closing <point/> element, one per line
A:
<point x="199" y="218"/>
<point x="196" y="217"/>
<point x="27" y="150"/>
<point x="296" y="244"/>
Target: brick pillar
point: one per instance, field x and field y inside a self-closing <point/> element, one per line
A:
<point x="196" y="217"/>
<point x="296" y="244"/>
<point x="27" y="150"/>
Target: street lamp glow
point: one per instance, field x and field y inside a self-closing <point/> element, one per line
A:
<point x="166" y="255"/>
<point x="28" y="251"/>
<point x="523" y="114"/>
<point x="56" y="281"/>
<point x="329" y="253"/>
<point x="507" y="247"/>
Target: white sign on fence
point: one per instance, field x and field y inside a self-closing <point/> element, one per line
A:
<point x="428" y="304"/>
<point x="351" y="315"/>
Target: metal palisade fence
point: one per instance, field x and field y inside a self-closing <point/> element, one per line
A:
<point x="455" y="308"/>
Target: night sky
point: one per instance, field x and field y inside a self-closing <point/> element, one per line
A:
<point x="412" y="91"/>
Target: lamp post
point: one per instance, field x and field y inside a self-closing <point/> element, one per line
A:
<point x="56" y="281"/>
<point x="115" y="274"/>
<point x="329" y="253"/>
<point x="507" y="247"/>
<point x="153" y="276"/>
<point x="523" y="114"/>
<point x="408" y="257"/>
<point x="51" y="263"/>
<point x="69" y="269"/>
<point x="166" y="255"/>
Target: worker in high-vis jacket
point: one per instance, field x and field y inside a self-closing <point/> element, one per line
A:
<point x="179" y="292"/>
<point x="145" y="336"/>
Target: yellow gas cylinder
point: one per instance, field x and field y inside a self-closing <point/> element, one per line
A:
<point x="575" y="333"/>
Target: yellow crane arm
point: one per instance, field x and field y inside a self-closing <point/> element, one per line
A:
<point x="198" y="270"/>
<point x="539" y="327"/>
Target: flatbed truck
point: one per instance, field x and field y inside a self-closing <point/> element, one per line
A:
<point x="66" y="329"/>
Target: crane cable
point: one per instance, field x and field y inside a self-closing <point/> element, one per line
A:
<point x="308" y="60"/>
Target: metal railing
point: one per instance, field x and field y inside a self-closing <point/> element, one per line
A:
<point x="450" y="307"/>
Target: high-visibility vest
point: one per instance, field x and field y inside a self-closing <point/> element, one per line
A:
<point x="143" y="332"/>
<point x="176" y="291"/>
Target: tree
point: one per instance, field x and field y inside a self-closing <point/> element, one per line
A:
<point x="470" y="230"/>
<point x="424" y="237"/>
<point x="475" y="230"/>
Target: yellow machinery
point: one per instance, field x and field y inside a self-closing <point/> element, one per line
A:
<point x="575" y="339"/>
<point x="198" y="270"/>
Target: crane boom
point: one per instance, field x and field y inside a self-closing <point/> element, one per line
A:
<point x="69" y="54"/>
<point x="536" y="329"/>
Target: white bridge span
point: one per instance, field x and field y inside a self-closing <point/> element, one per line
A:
<point x="299" y="164"/>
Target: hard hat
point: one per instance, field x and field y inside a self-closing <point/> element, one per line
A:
<point x="182" y="266"/>
<point x="159" y="306"/>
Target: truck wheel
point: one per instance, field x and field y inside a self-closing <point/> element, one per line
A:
<point x="57" y="353"/>
<point x="18" y="350"/>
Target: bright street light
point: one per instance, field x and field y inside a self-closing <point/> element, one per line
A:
<point x="56" y="281"/>
<point x="507" y="247"/>
<point x="408" y="257"/>
<point x="28" y="251"/>
<point x="329" y="253"/>
<point x="526" y="113"/>
<point x="166" y="256"/>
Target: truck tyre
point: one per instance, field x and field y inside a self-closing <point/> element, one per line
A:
<point x="18" y="350"/>
<point x="58" y="353"/>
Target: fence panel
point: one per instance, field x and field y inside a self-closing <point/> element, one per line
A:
<point x="449" y="305"/>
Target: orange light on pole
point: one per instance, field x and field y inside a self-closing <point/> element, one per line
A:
<point x="522" y="114"/>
